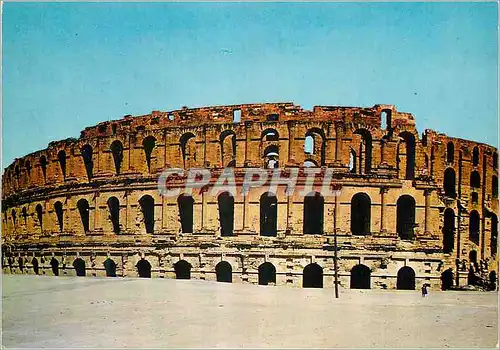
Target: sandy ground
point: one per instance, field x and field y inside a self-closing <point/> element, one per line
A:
<point x="40" y="311"/>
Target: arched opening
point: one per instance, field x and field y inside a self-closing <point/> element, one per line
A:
<point x="450" y="152"/>
<point x="24" y="213"/>
<point x="309" y="163"/>
<point x="312" y="276"/>
<point x="365" y="151"/>
<point x="110" y="267"/>
<point x="188" y="149"/>
<point x="405" y="216"/>
<point x="475" y="156"/>
<point x="360" y="277"/>
<point x="494" y="186"/>
<point x="268" y="214"/>
<point x="267" y="274"/>
<point x="39" y="214"/>
<point x="182" y="270"/>
<point x="360" y="214"/>
<point x="271" y="157"/>
<point x="406" y="278"/>
<point x="117" y="153"/>
<point x="309" y="145"/>
<point x="87" y="160"/>
<point x="313" y="213"/>
<point x="28" y="168"/>
<point x="409" y="140"/>
<point x="61" y="156"/>
<point x="447" y="279"/>
<point x="147" y="204"/>
<point x="448" y="231"/>
<point x="36" y="268"/>
<point x="493" y="280"/>
<point x="114" y="213"/>
<point x="385" y="119"/>
<point x="237" y="116"/>
<point x="79" y="266"/>
<point x="149" y="144"/>
<point x="226" y="213"/>
<point x="450" y="183"/>
<point x="143" y="268"/>
<point x="473" y="256"/>
<point x="474" y="226"/>
<point x="84" y="210"/>
<point x="55" y="266"/>
<point x="269" y="135"/>
<point x="185" y="204"/>
<point x="352" y="161"/>
<point x="475" y="179"/>
<point x="58" y="207"/>
<point x="228" y="148"/>
<point x="314" y="144"/>
<point x="494" y="235"/>
<point x="495" y="160"/>
<point x="224" y="272"/>
<point x="43" y="166"/>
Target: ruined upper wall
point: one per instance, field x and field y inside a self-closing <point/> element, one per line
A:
<point x="341" y="129"/>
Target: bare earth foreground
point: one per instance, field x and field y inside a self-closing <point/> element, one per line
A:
<point x="113" y="312"/>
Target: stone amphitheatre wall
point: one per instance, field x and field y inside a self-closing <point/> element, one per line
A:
<point x="90" y="203"/>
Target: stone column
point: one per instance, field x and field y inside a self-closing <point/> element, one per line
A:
<point x="383" y="210"/>
<point x="427" y="194"/>
<point x="128" y="211"/>
<point x="203" y="209"/>
<point x="97" y="217"/>
<point x="289" y="203"/>
<point x="338" y="142"/>
<point x="246" y="211"/>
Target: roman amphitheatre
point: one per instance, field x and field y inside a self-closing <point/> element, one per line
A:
<point x="413" y="208"/>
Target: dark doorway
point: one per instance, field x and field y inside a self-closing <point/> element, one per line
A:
<point x="474" y="226"/>
<point x="448" y="231"/>
<point x="58" y="207"/>
<point x="182" y="270"/>
<point x="224" y="272"/>
<point x="36" y="268"/>
<point x="39" y="214"/>
<point x="79" y="266"/>
<point x="473" y="256"/>
<point x="405" y="216"/>
<point x="475" y="156"/>
<point x="114" y="213"/>
<point x="110" y="267"/>
<point x="84" y="209"/>
<point x="186" y="203"/>
<point x="61" y="156"/>
<point x="87" y="160"/>
<point x="450" y="152"/>
<point x="493" y="280"/>
<point x="267" y="274"/>
<point x="149" y="145"/>
<point x="475" y="180"/>
<point x="360" y="277"/>
<point x="226" y="213"/>
<point x="449" y="183"/>
<point x="55" y="266"/>
<point x="268" y="214"/>
<point x="360" y="214"/>
<point x="409" y="140"/>
<point x="143" y="268"/>
<point x="117" y="152"/>
<point x="406" y="278"/>
<point x="147" y="204"/>
<point x="447" y="279"/>
<point x="313" y="213"/>
<point x="312" y="276"/>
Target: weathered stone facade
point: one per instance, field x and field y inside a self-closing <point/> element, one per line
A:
<point x="412" y="209"/>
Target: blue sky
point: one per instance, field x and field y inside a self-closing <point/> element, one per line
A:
<point x="71" y="65"/>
